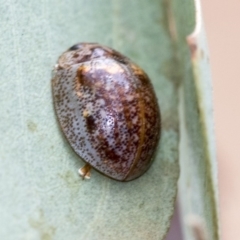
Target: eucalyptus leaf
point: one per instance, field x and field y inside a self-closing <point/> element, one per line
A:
<point x="42" y="195"/>
<point x="198" y="182"/>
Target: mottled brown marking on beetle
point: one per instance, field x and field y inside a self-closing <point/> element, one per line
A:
<point x="107" y="110"/>
<point x="141" y="75"/>
<point x="90" y="122"/>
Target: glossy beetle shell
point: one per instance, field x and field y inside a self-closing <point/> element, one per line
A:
<point x="107" y="109"/>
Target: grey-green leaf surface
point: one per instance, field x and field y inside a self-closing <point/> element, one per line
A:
<point x="198" y="182"/>
<point x="42" y="196"/>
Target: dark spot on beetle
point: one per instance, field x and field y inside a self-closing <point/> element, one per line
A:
<point x="75" y="55"/>
<point x="82" y="45"/>
<point x="58" y="97"/>
<point x="110" y="154"/>
<point x="119" y="57"/>
<point x="84" y="80"/>
<point x="84" y="58"/>
<point x="91" y="126"/>
<point x="75" y="47"/>
<point x="144" y="79"/>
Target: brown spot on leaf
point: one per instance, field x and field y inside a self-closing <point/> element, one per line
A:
<point x="32" y="127"/>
